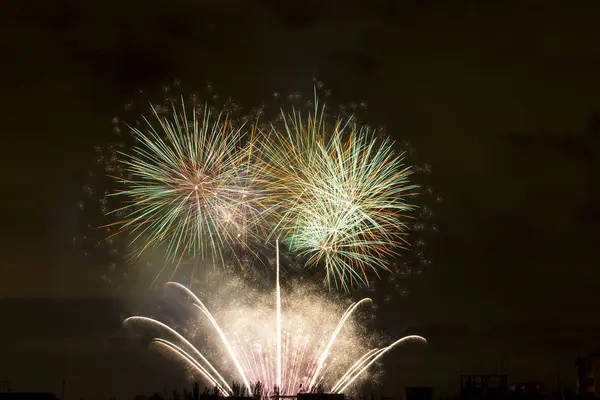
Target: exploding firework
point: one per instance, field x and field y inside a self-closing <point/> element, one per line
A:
<point x="187" y="185"/>
<point x="338" y="194"/>
<point x="199" y="184"/>
<point x="289" y="344"/>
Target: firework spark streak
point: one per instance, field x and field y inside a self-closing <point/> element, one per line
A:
<point x="278" y="318"/>
<point x="338" y="194"/>
<point x="300" y="356"/>
<point x="187" y="184"/>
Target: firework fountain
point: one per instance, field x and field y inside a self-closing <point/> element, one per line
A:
<point x="306" y="351"/>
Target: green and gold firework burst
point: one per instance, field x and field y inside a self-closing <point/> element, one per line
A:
<point x="338" y="194"/>
<point x="187" y="184"/>
<point x="201" y="186"/>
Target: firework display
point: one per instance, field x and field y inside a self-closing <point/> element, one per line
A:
<point x="287" y="344"/>
<point x="201" y="184"/>
<point x="198" y="184"/>
<point x="339" y="194"/>
<point x="187" y="185"/>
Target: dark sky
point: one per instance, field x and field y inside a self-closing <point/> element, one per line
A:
<point x="498" y="99"/>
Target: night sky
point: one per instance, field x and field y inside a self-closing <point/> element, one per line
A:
<point x="503" y="101"/>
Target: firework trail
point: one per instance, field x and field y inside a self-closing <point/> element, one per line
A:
<point x="338" y="194"/>
<point x="187" y="185"/>
<point x="289" y="348"/>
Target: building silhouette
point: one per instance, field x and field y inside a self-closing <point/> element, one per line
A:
<point x="319" y="396"/>
<point x="418" y="393"/>
<point x="27" y="396"/>
<point x="588" y="375"/>
<point x="475" y="387"/>
<point x="530" y="390"/>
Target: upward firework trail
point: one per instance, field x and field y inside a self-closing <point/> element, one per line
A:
<point x="278" y="318"/>
<point x="302" y="351"/>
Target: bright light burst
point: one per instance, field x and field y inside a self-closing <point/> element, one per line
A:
<point x="186" y="184"/>
<point x="334" y="192"/>
<point x="295" y="347"/>
<point x="338" y="194"/>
